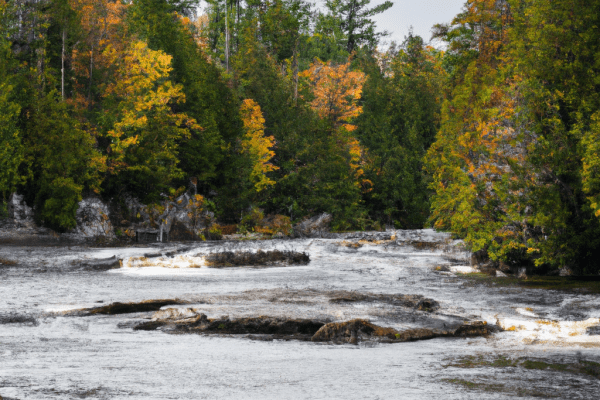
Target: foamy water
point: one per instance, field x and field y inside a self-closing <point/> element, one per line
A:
<point x="101" y="357"/>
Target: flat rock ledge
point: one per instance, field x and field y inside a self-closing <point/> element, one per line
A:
<point x="124" y="308"/>
<point x="269" y="328"/>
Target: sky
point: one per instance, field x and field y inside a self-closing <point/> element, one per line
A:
<point x="420" y="14"/>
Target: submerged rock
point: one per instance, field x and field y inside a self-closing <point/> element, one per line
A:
<point x="405" y="300"/>
<point x="13" y="318"/>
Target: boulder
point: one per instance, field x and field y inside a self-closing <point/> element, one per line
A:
<point x="19" y="211"/>
<point x="315" y="227"/>
<point x="93" y="219"/>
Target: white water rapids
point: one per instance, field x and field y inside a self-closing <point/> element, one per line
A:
<point x="101" y="357"/>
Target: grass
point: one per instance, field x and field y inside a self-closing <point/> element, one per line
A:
<point x="568" y="284"/>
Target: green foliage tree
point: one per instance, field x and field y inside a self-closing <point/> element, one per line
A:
<point x="508" y="162"/>
<point x="354" y="20"/>
<point x="402" y="105"/>
<point x="60" y="159"/>
<point x="11" y="150"/>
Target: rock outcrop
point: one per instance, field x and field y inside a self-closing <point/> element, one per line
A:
<point x="93" y="220"/>
<point x="181" y="219"/>
<point x="315" y="227"/>
<point x="19" y="211"/>
<point x="189" y="320"/>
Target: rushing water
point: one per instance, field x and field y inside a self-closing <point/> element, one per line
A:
<point x="46" y="355"/>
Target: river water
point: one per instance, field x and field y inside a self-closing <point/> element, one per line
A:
<point x="45" y="354"/>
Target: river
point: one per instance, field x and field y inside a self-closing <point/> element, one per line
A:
<point x="47" y="354"/>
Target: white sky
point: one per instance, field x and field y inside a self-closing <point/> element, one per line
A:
<point x="420" y="14"/>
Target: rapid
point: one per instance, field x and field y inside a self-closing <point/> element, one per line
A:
<point x="46" y="352"/>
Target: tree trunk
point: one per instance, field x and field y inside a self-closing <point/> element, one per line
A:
<point x="295" y="69"/>
<point x="62" y="64"/>
<point x="91" y="75"/>
<point x="226" y="37"/>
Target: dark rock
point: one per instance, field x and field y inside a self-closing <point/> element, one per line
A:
<point x="13" y="318"/>
<point x="152" y="255"/>
<point x="181" y="231"/>
<point x="478" y="258"/>
<point x="125" y="308"/>
<point x="259" y="258"/>
<point x="103" y="264"/>
<point x="428" y="305"/>
<point x="351" y="332"/>
<point x="472" y="329"/>
<point x="593" y="330"/>
<point x="146" y="235"/>
<point x="149" y="326"/>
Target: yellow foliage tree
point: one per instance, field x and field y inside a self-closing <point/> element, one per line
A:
<point x="145" y="132"/>
<point x="256" y="145"/>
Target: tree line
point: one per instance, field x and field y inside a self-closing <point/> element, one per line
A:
<point x="278" y="105"/>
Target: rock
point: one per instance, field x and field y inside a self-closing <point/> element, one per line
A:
<point x="500" y="274"/>
<point x="175" y="314"/>
<point x="428" y="305"/>
<point x="103" y="264"/>
<point x="19" y="211"/>
<point x="180" y="219"/>
<point x="565" y="271"/>
<point x="125" y="308"/>
<point x="505" y="268"/>
<point x="259" y="258"/>
<point x="351" y="332"/>
<point x="93" y="220"/>
<point x="314" y="227"/>
<point x="472" y="329"/>
<point x="479" y="258"/>
<point x="13" y="318"/>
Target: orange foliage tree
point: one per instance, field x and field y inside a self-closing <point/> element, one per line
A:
<point x="102" y="28"/>
<point x="337" y="90"/>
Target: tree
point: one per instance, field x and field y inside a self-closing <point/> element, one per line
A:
<point x="354" y="19"/>
<point x="513" y="164"/>
<point x="401" y="100"/>
<point x="336" y="91"/>
<point x="61" y="161"/>
<point x="11" y="151"/>
<point x="142" y="127"/>
<point x="256" y="145"/>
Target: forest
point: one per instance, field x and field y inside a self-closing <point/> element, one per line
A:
<point x="493" y="133"/>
